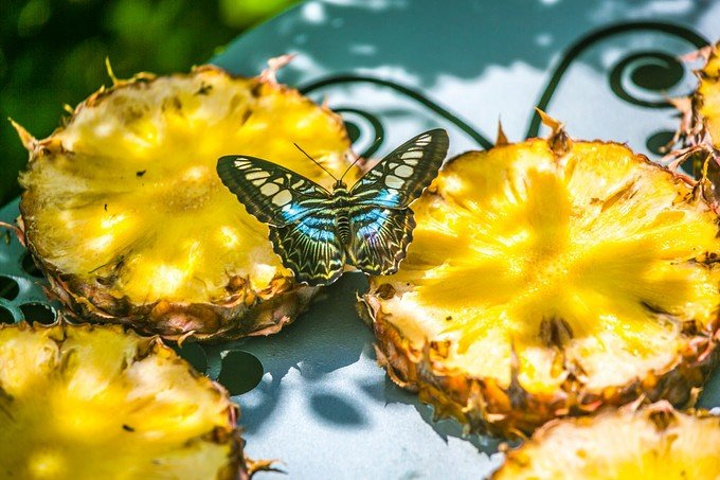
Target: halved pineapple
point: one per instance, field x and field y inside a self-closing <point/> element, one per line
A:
<point x="655" y="442"/>
<point x="90" y="402"/>
<point x="699" y="127"/>
<point x="548" y="278"/>
<point x="707" y="98"/>
<point x="124" y="212"/>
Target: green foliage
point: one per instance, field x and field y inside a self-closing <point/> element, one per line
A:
<point x="52" y="53"/>
<point x="245" y="13"/>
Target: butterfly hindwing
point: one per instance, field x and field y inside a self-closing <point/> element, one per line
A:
<point x="311" y="248"/>
<point x="379" y="238"/>
<point x="315" y="232"/>
<point x="401" y="176"/>
<point x="271" y="193"/>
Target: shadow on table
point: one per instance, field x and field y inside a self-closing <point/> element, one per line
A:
<point x="328" y="338"/>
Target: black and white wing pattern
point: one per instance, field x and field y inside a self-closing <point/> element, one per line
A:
<point x="302" y="225"/>
<point x="315" y="232"/>
<point x="271" y="193"/>
<point x="380" y="237"/>
<point x="311" y="248"/>
<point x="381" y="221"/>
<point x="401" y="176"/>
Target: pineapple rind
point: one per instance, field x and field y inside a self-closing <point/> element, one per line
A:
<point x="94" y="401"/>
<point x="707" y="97"/>
<point x="529" y="294"/>
<point x="124" y="212"/>
<point x="654" y="442"/>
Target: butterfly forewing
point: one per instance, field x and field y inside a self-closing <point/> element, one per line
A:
<point x="402" y="175"/>
<point x="311" y="248"/>
<point x="305" y="220"/>
<point x="273" y="194"/>
<point x="380" y="237"/>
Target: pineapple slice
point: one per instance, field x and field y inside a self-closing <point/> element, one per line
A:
<point x="548" y="278"/>
<point x="699" y="127"/>
<point x="707" y="97"/>
<point x="124" y="212"/>
<point x="88" y="402"/>
<point x="627" y="444"/>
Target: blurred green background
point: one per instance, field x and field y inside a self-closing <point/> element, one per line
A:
<point x="52" y="53"/>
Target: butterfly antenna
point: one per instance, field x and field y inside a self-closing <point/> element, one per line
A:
<point x="348" y="168"/>
<point x="315" y="161"/>
<point x="377" y="140"/>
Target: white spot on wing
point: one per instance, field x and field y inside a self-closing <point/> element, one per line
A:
<point x="403" y="171"/>
<point x="412" y="154"/>
<point x="393" y="182"/>
<point x="242" y="163"/>
<point x="257" y="175"/>
<point x="282" y="198"/>
<point x="269" y="189"/>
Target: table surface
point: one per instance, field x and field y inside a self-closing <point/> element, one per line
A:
<point x="394" y="68"/>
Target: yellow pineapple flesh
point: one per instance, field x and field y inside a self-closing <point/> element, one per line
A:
<point x="123" y="209"/>
<point x="549" y="278"/>
<point x="654" y="442"/>
<point x="87" y="402"/>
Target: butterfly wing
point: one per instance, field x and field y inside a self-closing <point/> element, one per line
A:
<point x="271" y="193"/>
<point x="311" y="248"/>
<point x="380" y="237"/>
<point x="400" y="177"/>
<point x="381" y="222"/>
<point x="302" y="222"/>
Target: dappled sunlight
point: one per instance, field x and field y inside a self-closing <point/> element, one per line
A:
<point x="497" y="61"/>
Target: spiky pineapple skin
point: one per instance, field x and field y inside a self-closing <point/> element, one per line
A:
<point x="245" y="313"/>
<point x="706" y="100"/>
<point x="697" y="138"/>
<point x="485" y="406"/>
<point x="244" y="310"/>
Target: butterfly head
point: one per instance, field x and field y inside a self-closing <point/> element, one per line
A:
<point x="339" y="185"/>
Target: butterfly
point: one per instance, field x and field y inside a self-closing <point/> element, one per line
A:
<point x="316" y="232"/>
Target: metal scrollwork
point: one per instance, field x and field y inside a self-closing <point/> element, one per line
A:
<point x="641" y="78"/>
<point x="442" y="112"/>
<point x="649" y="71"/>
<point x="633" y="76"/>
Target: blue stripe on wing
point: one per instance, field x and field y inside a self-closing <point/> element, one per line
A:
<point x="401" y="176"/>
<point x="379" y="239"/>
<point x="271" y="193"/>
<point x="311" y="248"/>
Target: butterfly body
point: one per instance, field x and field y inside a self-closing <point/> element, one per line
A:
<point x="316" y="232"/>
<point x="339" y="205"/>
